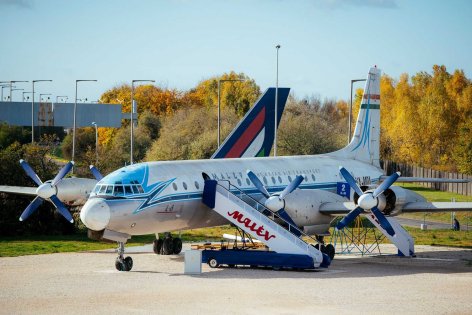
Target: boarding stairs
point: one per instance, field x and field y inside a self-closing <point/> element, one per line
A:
<point x="258" y="221"/>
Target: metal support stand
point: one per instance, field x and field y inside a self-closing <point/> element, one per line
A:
<point x="353" y="240"/>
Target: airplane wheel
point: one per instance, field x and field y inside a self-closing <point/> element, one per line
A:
<point x="157" y="246"/>
<point x="167" y="246"/>
<point x="177" y="245"/>
<point x="120" y="265"/>
<point x="330" y="251"/>
<point x="213" y="263"/>
<point x="128" y="263"/>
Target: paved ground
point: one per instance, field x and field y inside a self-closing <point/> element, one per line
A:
<point x="438" y="281"/>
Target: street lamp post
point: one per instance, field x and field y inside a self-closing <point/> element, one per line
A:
<point x="24" y="95"/>
<point x="276" y="100"/>
<point x="32" y="108"/>
<point x="75" y="118"/>
<point x="62" y="96"/>
<point x="15" y="90"/>
<point x="11" y="85"/>
<point x="219" y="104"/>
<point x="4" y="86"/>
<point x="131" y="115"/>
<point x="96" y="142"/>
<point x="350" y="110"/>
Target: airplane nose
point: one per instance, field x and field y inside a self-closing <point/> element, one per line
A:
<point x="95" y="214"/>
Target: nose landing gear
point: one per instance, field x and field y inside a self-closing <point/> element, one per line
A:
<point x="122" y="263"/>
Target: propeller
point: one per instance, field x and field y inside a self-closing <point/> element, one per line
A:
<point x="96" y="173"/>
<point x="46" y="190"/>
<point x="368" y="201"/>
<point x="276" y="202"/>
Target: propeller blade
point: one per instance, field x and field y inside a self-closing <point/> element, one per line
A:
<point x="350" y="180"/>
<point x="256" y="181"/>
<point x="31" y="208"/>
<point x="383" y="221"/>
<point x="29" y="171"/>
<point x="291" y="187"/>
<point x="63" y="172"/>
<point x="386" y="184"/>
<point x="61" y="208"/>
<point x="349" y="218"/>
<point x="96" y="173"/>
<point x="284" y="215"/>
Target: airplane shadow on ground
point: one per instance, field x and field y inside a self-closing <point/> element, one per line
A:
<point x="437" y="262"/>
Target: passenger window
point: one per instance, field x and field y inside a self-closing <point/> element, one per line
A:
<point x="128" y="190"/>
<point x="280" y="180"/>
<point x="109" y="190"/>
<point x="239" y="182"/>
<point x="118" y="190"/>
<point x="174" y="185"/>
<point x="273" y="180"/>
<point x="265" y="180"/>
<point x="289" y="178"/>
<point x="248" y="181"/>
<point x="313" y="177"/>
<point x="185" y="185"/>
<point x="140" y="189"/>
<point x="102" y="189"/>
<point x="135" y="189"/>
<point x="197" y="185"/>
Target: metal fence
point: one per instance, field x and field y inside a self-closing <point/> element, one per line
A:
<point x="416" y="171"/>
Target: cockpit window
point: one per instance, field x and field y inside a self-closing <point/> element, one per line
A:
<point x="109" y="190"/>
<point x="128" y="190"/>
<point x="97" y="188"/>
<point x="140" y="189"/>
<point x="102" y="189"/>
<point x="118" y="190"/>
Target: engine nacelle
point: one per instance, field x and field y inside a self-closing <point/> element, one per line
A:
<point x="397" y="197"/>
<point x="303" y="206"/>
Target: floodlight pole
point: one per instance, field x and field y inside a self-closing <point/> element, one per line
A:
<point x="350" y="110"/>
<point x="219" y="104"/>
<point x="11" y="84"/>
<point x="32" y="107"/>
<point x="276" y="101"/>
<point x="96" y="142"/>
<point x="75" y="118"/>
<point x="131" y="115"/>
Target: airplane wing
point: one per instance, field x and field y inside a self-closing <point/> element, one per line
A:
<point x="18" y="190"/>
<point x="342" y="208"/>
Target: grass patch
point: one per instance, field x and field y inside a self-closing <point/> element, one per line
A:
<point x="35" y="245"/>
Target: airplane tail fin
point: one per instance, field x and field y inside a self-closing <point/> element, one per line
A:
<point x="254" y="134"/>
<point x="365" y="143"/>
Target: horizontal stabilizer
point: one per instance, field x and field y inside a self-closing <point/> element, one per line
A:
<point x="437" y="206"/>
<point x="429" y="180"/>
<point x="31" y="191"/>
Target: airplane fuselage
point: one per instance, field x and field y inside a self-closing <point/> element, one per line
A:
<point x="166" y="196"/>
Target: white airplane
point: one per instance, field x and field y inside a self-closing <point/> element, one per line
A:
<point x="154" y="197"/>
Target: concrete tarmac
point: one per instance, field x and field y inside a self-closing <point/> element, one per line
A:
<point x="437" y="281"/>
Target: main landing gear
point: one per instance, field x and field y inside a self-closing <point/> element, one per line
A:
<point x="121" y="263"/>
<point x="168" y="245"/>
<point x="327" y="249"/>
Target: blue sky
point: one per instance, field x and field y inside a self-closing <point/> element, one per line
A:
<point x="325" y="44"/>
